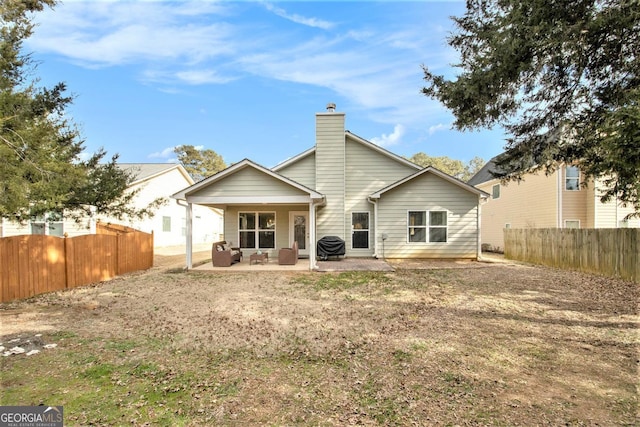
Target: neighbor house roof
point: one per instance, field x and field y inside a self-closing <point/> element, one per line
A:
<point x="484" y="174"/>
<point x="145" y="171"/>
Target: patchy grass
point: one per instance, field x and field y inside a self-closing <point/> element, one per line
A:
<point x="505" y="345"/>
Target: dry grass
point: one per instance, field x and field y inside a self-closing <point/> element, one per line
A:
<point x="501" y="345"/>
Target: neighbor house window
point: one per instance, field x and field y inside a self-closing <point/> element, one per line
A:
<point x="507" y="225"/>
<point x="623" y="223"/>
<point x="50" y="224"/>
<point x="257" y="230"/>
<point x="427" y="226"/>
<point x="571" y="223"/>
<point x="495" y="191"/>
<point x="572" y="178"/>
<point x="166" y="224"/>
<point x="360" y="230"/>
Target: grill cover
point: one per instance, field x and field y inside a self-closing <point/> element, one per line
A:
<point x="330" y="246"/>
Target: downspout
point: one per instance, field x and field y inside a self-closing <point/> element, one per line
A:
<point x="375" y="225"/>
<point x="478" y="228"/>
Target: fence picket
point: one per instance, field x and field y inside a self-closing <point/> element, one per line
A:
<point x="35" y="264"/>
<point x="613" y="252"/>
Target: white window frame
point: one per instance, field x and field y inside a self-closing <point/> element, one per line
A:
<point x="428" y="226"/>
<point x="571" y="220"/>
<point x="47" y="224"/>
<point x="493" y="191"/>
<point x="257" y="230"/>
<point x="568" y="178"/>
<point x="368" y="229"/>
<point x="168" y="220"/>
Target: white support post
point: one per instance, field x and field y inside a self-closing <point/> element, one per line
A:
<point x="312" y="236"/>
<point x="189" y="236"/>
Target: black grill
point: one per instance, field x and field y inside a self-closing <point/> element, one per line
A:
<point x="330" y="246"/>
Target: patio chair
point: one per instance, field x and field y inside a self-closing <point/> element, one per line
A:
<point x="288" y="256"/>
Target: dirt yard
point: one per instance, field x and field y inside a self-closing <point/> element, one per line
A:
<point x="492" y="344"/>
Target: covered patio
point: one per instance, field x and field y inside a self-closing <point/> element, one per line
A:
<point x="342" y="264"/>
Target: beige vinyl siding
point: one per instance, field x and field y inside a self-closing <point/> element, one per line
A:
<point x="303" y="171"/>
<point x="574" y="203"/>
<point x="249" y="182"/>
<point x="428" y="193"/>
<point x="367" y="171"/>
<point x="591" y="207"/>
<point x="531" y="203"/>
<point x="282" y="225"/>
<point x="330" y="170"/>
<point x="610" y="214"/>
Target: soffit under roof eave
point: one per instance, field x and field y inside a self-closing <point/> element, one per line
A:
<point x="253" y="200"/>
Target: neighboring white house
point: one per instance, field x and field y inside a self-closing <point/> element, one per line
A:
<point x="557" y="200"/>
<point x="155" y="180"/>
<point x="169" y="222"/>
<point x="379" y="203"/>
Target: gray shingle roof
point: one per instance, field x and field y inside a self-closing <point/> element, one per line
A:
<point x="144" y="170"/>
<point x="484" y="174"/>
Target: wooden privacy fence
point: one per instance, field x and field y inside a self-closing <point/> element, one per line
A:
<point x="608" y="251"/>
<point x="35" y="264"/>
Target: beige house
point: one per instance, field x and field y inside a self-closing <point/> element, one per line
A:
<point x="379" y="203"/>
<point x="154" y="180"/>
<point x="558" y="200"/>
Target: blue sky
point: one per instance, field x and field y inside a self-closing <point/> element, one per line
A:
<point x="246" y="78"/>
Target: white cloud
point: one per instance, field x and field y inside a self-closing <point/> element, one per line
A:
<point x="437" y="128"/>
<point x="164" y="154"/>
<point x="298" y="19"/>
<point x="390" y="139"/>
<point x="98" y="34"/>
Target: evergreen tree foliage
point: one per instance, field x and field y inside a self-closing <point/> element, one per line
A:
<point x="41" y="151"/>
<point x="561" y="76"/>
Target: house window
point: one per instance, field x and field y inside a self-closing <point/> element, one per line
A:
<point x="623" y="223"/>
<point x="417" y="226"/>
<point x="419" y="230"/>
<point x="571" y="223"/>
<point x="572" y="178"/>
<point x="438" y="226"/>
<point x="495" y="191"/>
<point x="166" y="224"/>
<point x="507" y="225"/>
<point x="50" y="224"/>
<point x="360" y="230"/>
<point x="257" y="230"/>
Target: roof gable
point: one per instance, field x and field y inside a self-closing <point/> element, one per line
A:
<point x="239" y="168"/>
<point x="436" y="172"/>
<point x="383" y="151"/>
